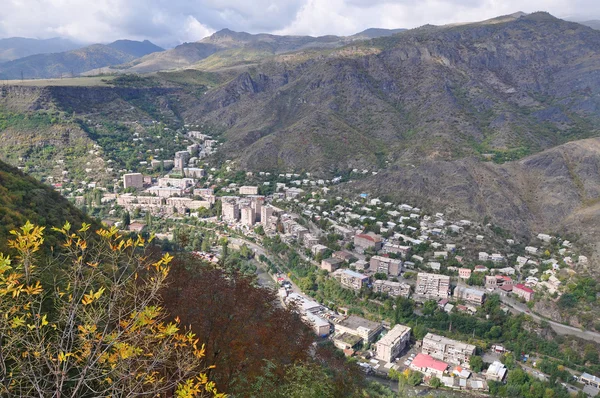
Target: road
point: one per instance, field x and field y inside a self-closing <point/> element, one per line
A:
<point x="557" y="327"/>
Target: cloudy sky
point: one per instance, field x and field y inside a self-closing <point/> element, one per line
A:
<point x="170" y="22"/>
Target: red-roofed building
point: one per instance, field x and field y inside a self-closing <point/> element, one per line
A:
<point x="523" y="291"/>
<point x="426" y="364"/>
<point x="365" y="241"/>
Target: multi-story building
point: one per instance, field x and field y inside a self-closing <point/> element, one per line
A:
<point x="432" y="286"/>
<point x="310" y="240"/>
<point x="165" y="192"/>
<point x="230" y="210"/>
<point x="331" y="264"/>
<point x="448" y="350"/>
<point x="464" y="273"/>
<point x="394" y="289"/>
<point x="523" y="291"/>
<point x="366" y="241"/>
<point x="496" y="372"/>
<point x="386" y="265"/>
<point x="392" y="344"/>
<point x="469" y="295"/>
<point x="133" y="180"/>
<point x="590" y="380"/>
<point x="181" y="159"/>
<point x="357" y="326"/>
<point x="247" y="216"/>
<point x="181" y="183"/>
<point x="193" y="172"/>
<point x="257" y="202"/>
<point x="350" y="279"/>
<point x="248" y="190"/>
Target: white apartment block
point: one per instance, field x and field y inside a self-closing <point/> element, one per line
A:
<point x="248" y="216"/>
<point x="248" y="190"/>
<point x="133" y="180"/>
<point x="230" y="211"/>
<point x="392" y="344"/>
<point x="432" y="286"/>
<point x="393" y="289"/>
<point x="448" y="350"/>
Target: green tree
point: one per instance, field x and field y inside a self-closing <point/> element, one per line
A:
<point x="435" y="382"/>
<point x="126" y="220"/>
<point x="476" y="363"/>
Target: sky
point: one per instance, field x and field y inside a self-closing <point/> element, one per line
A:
<point x="171" y="22"/>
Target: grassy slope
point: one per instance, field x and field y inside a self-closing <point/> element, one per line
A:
<point x="22" y="198"/>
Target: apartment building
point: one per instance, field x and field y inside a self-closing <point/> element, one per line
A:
<point x="350" y="279"/>
<point x="181" y="159"/>
<point x="392" y="344"/>
<point x="230" y="210"/>
<point x="386" y="265"/>
<point x="469" y="295"/>
<point x="247" y="216"/>
<point x="394" y="289"/>
<point x="331" y="264"/>
<point x="357" y="326"/>
<point x="133" y="180"/>
<point x="432" y="286"/>
<point x="181" y="183"/>
<point x="248" y="190"/>
<point x="448" y="350"/>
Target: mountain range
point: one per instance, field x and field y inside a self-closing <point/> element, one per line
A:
<point x="18" y="47"/>
<point x="227" y="48"/>
<point x="73" y="62"/>
<point x="496" y="119"/>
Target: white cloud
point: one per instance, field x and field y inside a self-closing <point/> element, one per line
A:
<point x="168" y="22"/>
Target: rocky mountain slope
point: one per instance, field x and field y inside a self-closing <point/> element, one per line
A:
<point x="12" y="48"/>
<point x="500" y="89"/>
<point x="74" y="62"/>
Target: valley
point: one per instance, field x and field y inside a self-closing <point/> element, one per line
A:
<point x="442" y="180"/>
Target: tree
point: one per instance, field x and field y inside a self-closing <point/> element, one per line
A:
<point x="245" y="329"/>
<point x="476" y="363"/>
<point x="415" y="378"/>
<point x="435" y="382"/>
<point x="87" y="320"/>
<point x="126" y="221"/>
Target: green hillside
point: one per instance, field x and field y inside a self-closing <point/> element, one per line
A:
<point x="22" y="198"/>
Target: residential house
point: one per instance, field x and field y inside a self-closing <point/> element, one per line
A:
<point x="469" y="295"/>
<point x="464" y="273"/>
<point x="368" y="241"/>
<point x="523" y="291"/>
<point x="428" y="365"/>
<point x="496" y="372"/>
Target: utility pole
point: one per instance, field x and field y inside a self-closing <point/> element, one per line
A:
<point x="21" y="76"/>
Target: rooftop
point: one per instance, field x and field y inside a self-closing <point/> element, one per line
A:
<point x="426" y="361"/>
<point x="354" y="322"/>
<point x="524" y="288"/>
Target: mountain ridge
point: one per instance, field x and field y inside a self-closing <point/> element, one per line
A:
<point x="75" y="61"/>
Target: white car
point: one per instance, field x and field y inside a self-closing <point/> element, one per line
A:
<point x="407" y="362"/>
